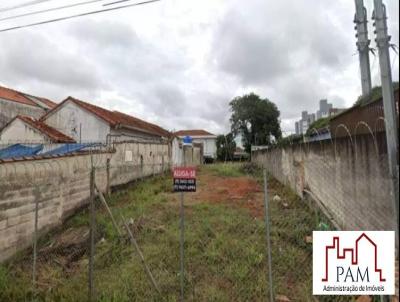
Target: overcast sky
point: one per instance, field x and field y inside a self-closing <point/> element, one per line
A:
<point x="178" y="63"/>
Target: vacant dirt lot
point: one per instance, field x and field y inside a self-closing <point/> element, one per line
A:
<point x="225" y="249"/>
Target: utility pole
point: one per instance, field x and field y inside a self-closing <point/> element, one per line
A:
<point x="360" y="19"/>
<point x="382" y="40"/>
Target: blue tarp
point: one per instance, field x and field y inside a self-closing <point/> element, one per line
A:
<point x="69" y="148"/>
<point x="19" y="150"/>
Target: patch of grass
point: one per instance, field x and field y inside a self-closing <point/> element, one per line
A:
<point x="316" y="126"/>
<point x="225" y="169"/>
<point x="225" y="250"/>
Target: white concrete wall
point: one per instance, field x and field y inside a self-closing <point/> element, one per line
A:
<point x="19" y="132"/>
<point x="121" y="135"/>
<point x="193" y="155"/>
<point x="209" y="146"/>
<point x="138" y="160"/>
<point x="62" y="185"/>
<point x="78" y="123"/>
<point x="177" y="153"/>
<point x="9" y="110"/>
<point x="349" y="176"/>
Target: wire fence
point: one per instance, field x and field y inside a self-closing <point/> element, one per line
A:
<point x="123" y="244"/>
<point x="39" y="194"/>
<point x="345" y="178"/>
<point x="348" y="175"/>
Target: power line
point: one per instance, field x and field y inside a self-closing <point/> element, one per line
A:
<point x="116" y="2"/>
<point x="49" y="10"/>
<point x="77" y="16"/>
<point x="30" y="3"/>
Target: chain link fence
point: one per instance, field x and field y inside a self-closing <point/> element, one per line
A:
<point x="344" y="183"/>
<point x="123" y="243"/>
<point x="56" y="207"/>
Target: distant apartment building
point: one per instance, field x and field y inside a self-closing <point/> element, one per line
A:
<point x="325" y="110"/>
<point x="305" y="122"/>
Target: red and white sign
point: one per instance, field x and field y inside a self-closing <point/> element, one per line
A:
<point x="185" y="172"/>
<point x="185" y="179"/>
<point x="353" y="263"/>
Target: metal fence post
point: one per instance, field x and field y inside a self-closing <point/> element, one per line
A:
<point x="92" y="234"/>
<point x="182" y="237"/>
<point x="268" y="239"/>
<point x="182" y="248"/>
<point x="108" y="190"/>
<point x="139" y="252"/>
<point x="103" y="200"/>
<point x="35" y="239"/>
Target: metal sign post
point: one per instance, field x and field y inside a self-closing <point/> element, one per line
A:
<point x="184" y="181"/>
<point x="182" y="248"/>
<point x="268" y="236"/>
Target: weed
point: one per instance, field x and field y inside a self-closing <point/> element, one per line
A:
<point x="225" y="170"/>
<point x="225" y="251"/>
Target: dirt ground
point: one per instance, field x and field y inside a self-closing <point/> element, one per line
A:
<point x="242" y="191"/>
<point x="233" y="256"/>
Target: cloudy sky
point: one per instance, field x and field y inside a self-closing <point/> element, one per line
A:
<point x="178" y="63"/>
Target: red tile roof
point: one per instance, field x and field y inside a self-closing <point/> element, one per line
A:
<point x="193" y="133"/>
<point x="23" y="98"/>
<point x="131" y="121"/>
<point x="55" y="135"/>
<point x="102" y="113"/>
<point x="49" y="103"/>
<point x="15" y="96"/>
<point x="115" y="118"/>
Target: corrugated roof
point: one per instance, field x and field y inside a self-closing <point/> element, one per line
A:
<point x="362" y="118"/>
<point x="55" y="135"/>
<point x="115" y="118"/>
<point x="196" y="132"/>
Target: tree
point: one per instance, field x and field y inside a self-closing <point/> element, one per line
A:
<point x="226" y="147"/>
<point x="256" y="119"/>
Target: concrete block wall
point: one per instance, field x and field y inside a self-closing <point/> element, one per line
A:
<point x="62" y="186"/>
<point x="134" y="161"/>
<point x="349" y="176"/>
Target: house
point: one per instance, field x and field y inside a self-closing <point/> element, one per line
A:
<point x="86" y="122"/>
<point x="207" y="140"/>
<point x="13" y="103"/>
<point x="33" y="131"/>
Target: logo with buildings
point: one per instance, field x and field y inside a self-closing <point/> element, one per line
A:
<point x="353" y="263"/>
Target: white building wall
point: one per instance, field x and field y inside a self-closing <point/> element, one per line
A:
<point x="121" y="135"/>
<point x="79" y="124"/>
<point x="19" y="132"/>
<point x="177" y="153"/>
<point x="193" y="154"/>
<point x="209" y="146"/>
<point x="10" y="109"/>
